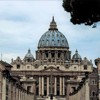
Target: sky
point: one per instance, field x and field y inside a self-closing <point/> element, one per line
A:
<point x="22" y="23"/>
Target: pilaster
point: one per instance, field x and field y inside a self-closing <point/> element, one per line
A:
<point x="42" y="85"/>
<point x="55" y="87"/>
<point x="60" y="85"/>
<point x="47" y="86"/>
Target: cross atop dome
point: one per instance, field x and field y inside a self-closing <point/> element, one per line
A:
<point x="53" y="25"/>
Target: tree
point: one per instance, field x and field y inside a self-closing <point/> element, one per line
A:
<point x="83" y="11"/>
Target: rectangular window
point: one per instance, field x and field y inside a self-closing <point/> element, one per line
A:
<point x="29" y="88"/>
<point x="85" y="67"/>
<point x="28" y="67"/>
<point x="18" y="66"/>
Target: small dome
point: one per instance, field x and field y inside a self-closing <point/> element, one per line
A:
<point x="76" y="56"/>
<point x="53" y="38"/>
<point x="29" y="55"/>
<point x="86" y="61"/>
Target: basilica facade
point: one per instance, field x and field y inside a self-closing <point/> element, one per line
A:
<point x="56" y="73"/>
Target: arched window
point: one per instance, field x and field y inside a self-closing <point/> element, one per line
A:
<point x="93" y="82"/>
<point x="93" y="93"/>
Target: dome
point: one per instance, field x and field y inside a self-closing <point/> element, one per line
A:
<point x="53" y="38"/>
<point x="76" y="56"/>
<point x="86" y="61"/>
<point x="29" y="55"/>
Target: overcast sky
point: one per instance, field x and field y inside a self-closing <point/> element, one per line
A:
<point x="23" y="22"/>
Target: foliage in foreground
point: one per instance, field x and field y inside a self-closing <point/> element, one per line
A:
<point x="83" y="11"/>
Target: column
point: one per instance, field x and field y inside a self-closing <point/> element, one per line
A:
<point x="47" y="86"/>
<point x="68" y="91"/>
<point x="87" y="90"/>
<point x="9" y="94"/>
<point x="42" y="85"/>
<point x="34" y="88"/>
<point x="4" y="88"/>
<point x="60" y="85"/>
<point x="19" y="95"/>
<point x="11" y="91"/>
<point x="63" y="85"/>
<point x="16" y="93"/>
<point x="55" y="87"/>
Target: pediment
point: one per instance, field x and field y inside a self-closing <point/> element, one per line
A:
<point x="52" y="69"/>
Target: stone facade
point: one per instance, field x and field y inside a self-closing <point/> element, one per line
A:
<point x="97" y="63"/>
<point x="56" y="73"/>
<point x="10" y="87"/>
<point x="93" y="83"/>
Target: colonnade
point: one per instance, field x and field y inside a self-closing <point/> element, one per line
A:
<point x="13" y="90"/>
<point x="54" y="85"/>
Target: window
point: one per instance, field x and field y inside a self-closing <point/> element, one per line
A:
<point x="42" y="42"/>
<point x="85" y="67"/>
<point x="58" y="41"/>
<point x="48" y="35"/>
<point x="53" y="55"/>
<point x="36" y="65"/>
<point x="45" y="81"/>
<point x="28" y="67"/>
<point x="57" y="35"/>
<point x="58" y="86"/>
<point x="53" y="43"/>
<point x="62" y="41"/>
<point x="29" y="88"/>
<point x="93" y="82"/>
<point x="47" y="42"/>
<point x="45" y="67"/>
<point x="49" y="60"/>
<point x="37" y="91"/>
<point x="93" y="93"/>
<point x="18" y="66"/>
<point x="75" y="67"/>
<point x="52" y="35"/>
<point x="59" y="55"/>
<point x="28" y="60"/>
<point x="46" y="55"/>
<point x="76" y="60"/>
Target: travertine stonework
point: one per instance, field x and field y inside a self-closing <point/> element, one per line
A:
<point x="55" y="71"/>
